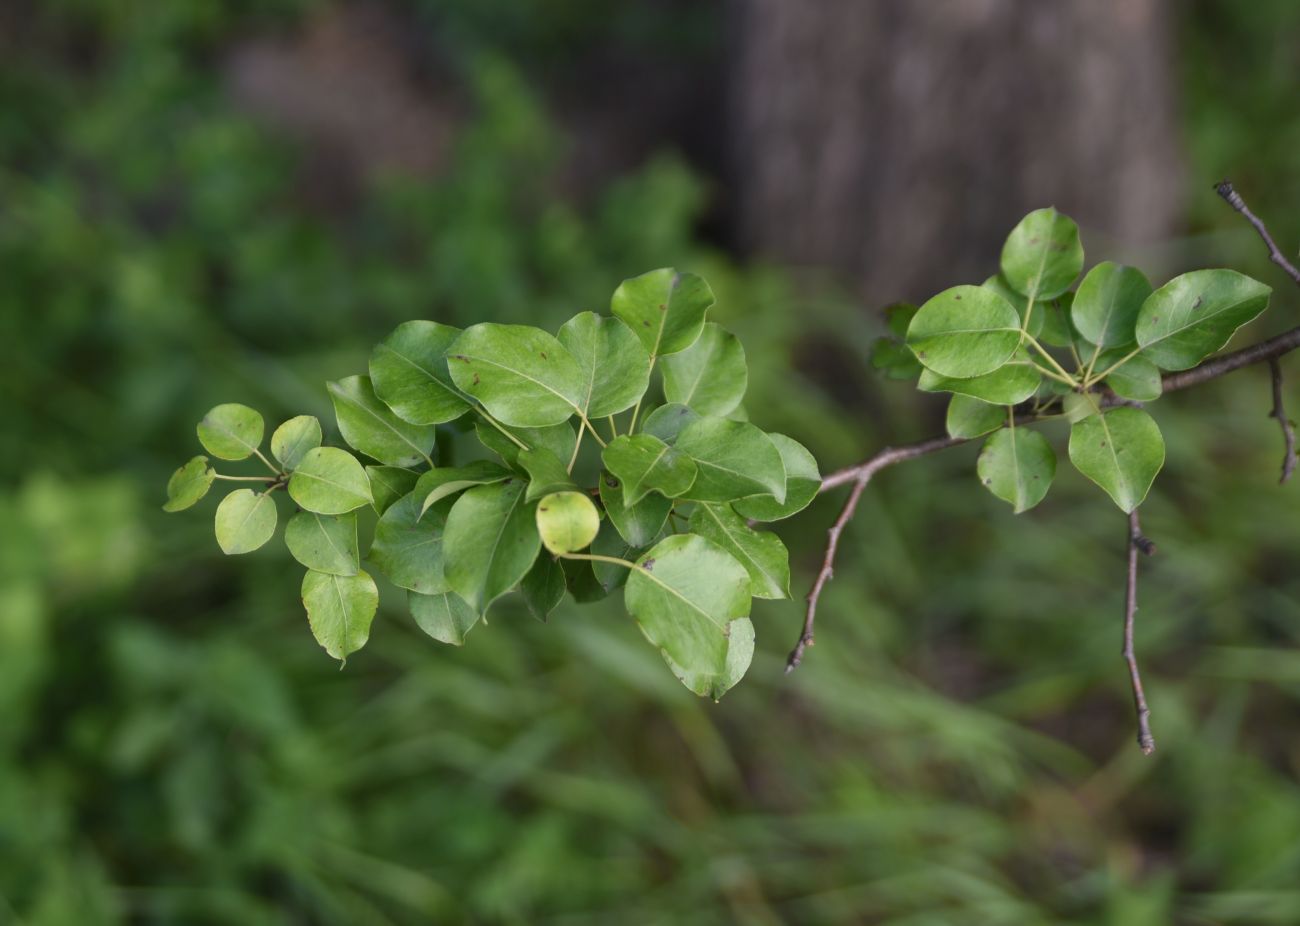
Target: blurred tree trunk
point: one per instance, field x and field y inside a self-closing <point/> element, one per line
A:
<point x="897" y="141"/>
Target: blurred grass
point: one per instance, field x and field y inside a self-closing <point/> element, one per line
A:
<point x="956" y="749"/>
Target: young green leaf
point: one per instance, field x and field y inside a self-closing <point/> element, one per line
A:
<point x="637" y="524"/>
<point x="1105" y="309"/>
<point x="642" y="463"/>
<point x="325" y="543"/>
<point x="1196" y="314"/>
<point x="1137" y="378"/>
<point x="294" y="438"/>
<point x="964" y="331"/>
<point x="329" y="481"/>
<point x="339" y="610"/>
<point x="522" y="375"/>
<point x="762" y="553"/>
<point x="1042" y="255"/>
<point x="969" y="417"/>
<point x="560" y="439"/>
<point x="189" y="484"/>
<point x="740" y="652"/>
<point x="388" y="484"/>
<point x="443" y="481"/>
<point x="1077" y="406"/>
<point x="490" y="543"/>
<point x="734" y="460"/>
<point x="544" y="586"/>
<point x="546" y="473"/>
<point x="231" y="432"/>
<point x="408" y="547"/>
<point x="1017" y="465"/>
<point x="409" y="372"/>
<point x="710" y="376"/>
<point x="1121" y="450"/>
<point x="667" y="421"/>
<point x="1011" y="383"/>
<point x="245" y="520"/>
<point x="444" y="616"/>
<point x="664" y="308"/>
<point x="802" y="483"/>
<point x="567" y="522"/>
<point x="370" y="427"/>
<point x="615" y="366"/>
<point x="684" y="593"/>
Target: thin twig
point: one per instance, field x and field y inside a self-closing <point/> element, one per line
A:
<point x="1285" y="423"/>
<point x="1233" y="198"/>
<point x="1136" y="544"/>
<point x="860" y="474"/>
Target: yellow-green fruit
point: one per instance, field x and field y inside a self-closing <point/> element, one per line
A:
<point x="567" y="521"/>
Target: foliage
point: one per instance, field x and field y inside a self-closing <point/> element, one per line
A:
<point x="464" y="535"/>
<point x="992" y="345"/>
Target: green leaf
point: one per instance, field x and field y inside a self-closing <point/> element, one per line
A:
<point x="762" y="553"/>
<point x="642" y="463"/>
<point x="522" y="375"/>
<point x="329" y="481"/>
<point x="1042" y="255"/>
<point x="1137" y="378"/>
<point x="1105" y="309"/>
<point x="325" y="543"/>
<point x="684" y="593"/>
<point x="740" y="652"/>
<point x="444" y="616"/>
<point x="1121" y="450"/>
<point x="1196" y="314"/>
<point x="615" y="367"/>
<point x="560" y="439"/>
<point x="490" y="543"/>
<point x="189" y="484"/>
<point x="408" y="547"/>
<point x="898" y="316"/>
<point x="409" y="372"/>
<point x="567" y="522"/>
<point x="1011" y="383"/>
<point x="710" y="376"/>
<point x="664" y="308"/>
<point x="231" y="432"/>
<point x="440" y="482"/>
<point x="964" y="331"/>
<point x="734" y="459"/>
<point x="894" y="360"/>
<point x="667" y="421"/>
<point x="610" y="575"/>
<point x="1058" y="329"/>
<point x="544" y="587"/>
<point x="370" y="427"/>
<point x="581" y="580"/>
<point x="294" y="438"/>
<point x="802" y="483"/>
<point x="637" y="524"/>
<point x="1017" y="465"/>
<point x="340" y="609"/>
<point x="546" y="473"/>
<point x="245" y="520"/>
<point x="1077" y="407"/>
<point x="388" y="484"/>
<point x="998" y="283"/>
<point x="968" y="417"/>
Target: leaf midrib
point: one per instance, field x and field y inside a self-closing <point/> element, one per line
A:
<point x="357" y="404"/>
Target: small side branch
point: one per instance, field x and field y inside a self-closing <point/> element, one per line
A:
<point x="1285" y="423"/>
<point x="859" y="476"/>
<point x="1136" y="544"/>
<point x="1233" y="199"/>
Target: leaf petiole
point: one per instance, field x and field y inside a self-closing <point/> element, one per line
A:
<point x="597" y="558"/>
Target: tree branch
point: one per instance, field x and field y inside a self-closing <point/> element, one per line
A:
<point x="1136" y="543"/>
<point x="1288" y="429"/>
<point x="860" y="474"/>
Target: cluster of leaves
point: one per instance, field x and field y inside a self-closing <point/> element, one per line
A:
<point x="1025" y="346"/>
<point x="667" y="511"/>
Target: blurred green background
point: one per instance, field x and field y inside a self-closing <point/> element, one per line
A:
<point x="182" y="224"/>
